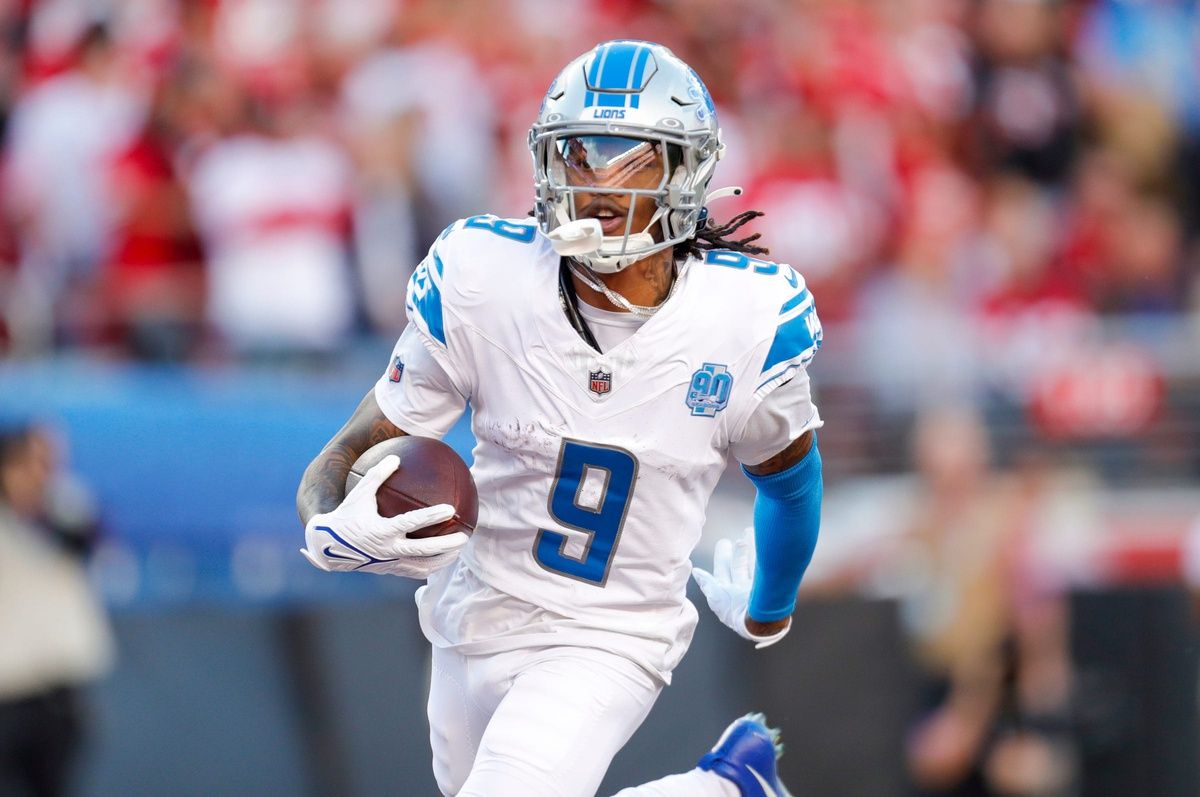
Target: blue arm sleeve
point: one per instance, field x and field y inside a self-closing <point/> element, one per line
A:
<point x="787" y="515"/>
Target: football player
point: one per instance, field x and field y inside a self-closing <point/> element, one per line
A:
<point x="614" y="350"/>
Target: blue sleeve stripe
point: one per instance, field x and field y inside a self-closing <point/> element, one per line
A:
<point x="429" y="307"/>
<point x="794" y="301"/>
<point x="425" y="300"/>
<point x="437" y="262"/>
<point x="793" y="338"/>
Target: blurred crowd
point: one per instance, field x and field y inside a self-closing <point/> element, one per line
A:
<point x="194" y="178"/>
<point x="962" y="550"/>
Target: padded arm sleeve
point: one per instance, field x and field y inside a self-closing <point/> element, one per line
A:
<point x="787" y="516"/>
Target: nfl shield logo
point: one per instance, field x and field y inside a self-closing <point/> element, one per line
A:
<point x="397" y="370"/>
<point x="599" y="382"/>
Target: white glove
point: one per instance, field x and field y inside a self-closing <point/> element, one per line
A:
<point x="727" y="587"/>
<point x="355" y="537"/>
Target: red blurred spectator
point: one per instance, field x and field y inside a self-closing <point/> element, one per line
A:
<point x="61" y="139"/>
<point x="153" y="281"/>
<point x="861" y="123"/>
<point x="272" y="207"/>
<point x="1122" y="250"/>
<point x="1028" y="115"/>
<point x="1020" y="231"/>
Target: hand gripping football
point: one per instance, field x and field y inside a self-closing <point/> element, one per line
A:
<point x="430" y="473"/>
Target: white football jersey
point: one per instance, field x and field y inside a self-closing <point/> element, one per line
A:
<point x="594" y="469"/>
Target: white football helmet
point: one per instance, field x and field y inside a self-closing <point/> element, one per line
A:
<point x="608" y="116"/>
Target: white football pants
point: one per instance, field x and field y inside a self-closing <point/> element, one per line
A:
<point x="542" y="723"/>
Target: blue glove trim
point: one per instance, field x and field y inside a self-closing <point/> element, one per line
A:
<point x="787" y="516"/>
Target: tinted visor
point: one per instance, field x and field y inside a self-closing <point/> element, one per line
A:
<point x="614" y="161"/>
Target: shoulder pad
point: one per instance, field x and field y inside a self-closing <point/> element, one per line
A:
<point x="778" y="300"/>
<point x="466" y="258"/>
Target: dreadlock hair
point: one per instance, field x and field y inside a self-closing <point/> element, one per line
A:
<point x="711" y="236"/>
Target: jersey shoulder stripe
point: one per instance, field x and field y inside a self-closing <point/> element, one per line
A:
<point x="424" y="299"/>
<point x="781" y="322"/>
<point x="796" y="340"/>
<point x="469" y="264"/>
<point x="803" y="297"/>
<point x="776" y="300"/>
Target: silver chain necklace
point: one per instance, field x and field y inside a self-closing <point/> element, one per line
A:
<point x="644" y="311"/>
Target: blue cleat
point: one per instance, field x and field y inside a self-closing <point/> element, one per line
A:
<point x="746" y="754"/>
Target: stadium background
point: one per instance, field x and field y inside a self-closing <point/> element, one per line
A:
<point x="210" y="209"/>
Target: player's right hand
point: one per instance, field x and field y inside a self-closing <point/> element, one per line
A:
<point x="355" y="537"/>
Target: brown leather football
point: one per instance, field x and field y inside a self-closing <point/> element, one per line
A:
<point x="430" y="473"/>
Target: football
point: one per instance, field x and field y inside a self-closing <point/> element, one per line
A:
<point x="430" y="473"/>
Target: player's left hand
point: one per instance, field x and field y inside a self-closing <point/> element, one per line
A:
<point x="727" y="587"/>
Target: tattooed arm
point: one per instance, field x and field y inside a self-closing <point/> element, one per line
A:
<point x="323" y="485"/>
<point x="786" y="458"/>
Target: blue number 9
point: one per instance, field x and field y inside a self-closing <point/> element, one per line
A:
<point x="601" y="521"/>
